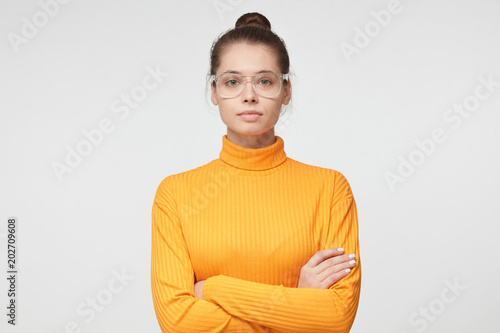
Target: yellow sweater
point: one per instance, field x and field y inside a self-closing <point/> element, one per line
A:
<point x="246" y="223"/>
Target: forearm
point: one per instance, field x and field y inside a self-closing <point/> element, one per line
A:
<point x="188" y="314"/>
<point x="284" y="308"/>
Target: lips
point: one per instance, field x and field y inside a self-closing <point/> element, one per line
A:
<point x="249" y="112"/>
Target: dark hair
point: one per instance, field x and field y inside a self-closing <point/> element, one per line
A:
<point x="253" y="28"/>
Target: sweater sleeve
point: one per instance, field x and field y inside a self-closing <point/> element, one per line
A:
<point x="300" y="309"/>
<point x="172" y="279"/>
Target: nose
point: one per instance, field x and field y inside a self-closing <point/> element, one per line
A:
<point x="249" y="94"/>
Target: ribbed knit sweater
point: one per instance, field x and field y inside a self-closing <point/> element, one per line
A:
<point x="246" y="223"/>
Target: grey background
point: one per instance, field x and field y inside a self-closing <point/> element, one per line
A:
<point x="356" y="114"/>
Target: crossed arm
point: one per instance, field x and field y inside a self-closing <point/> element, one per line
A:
<point x="323" y="270"/>
<point x="325" y="299"/>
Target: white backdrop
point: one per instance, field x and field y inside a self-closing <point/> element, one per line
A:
<point x="101" y="100"/>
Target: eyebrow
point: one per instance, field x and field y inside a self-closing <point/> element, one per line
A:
<point x="259" y="72"/>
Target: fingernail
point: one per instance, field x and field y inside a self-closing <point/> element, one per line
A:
<point x="348" y="270"/>
<point x="352" y="256"/>
<point x="340" y="249"/>
<point x="352" y="262"/>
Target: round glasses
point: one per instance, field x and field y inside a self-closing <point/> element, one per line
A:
<point x="267" y="85"/>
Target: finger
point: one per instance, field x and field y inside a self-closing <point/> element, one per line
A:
<point x="334" y="278"/>
<point x="333" y="262"/>
<point x="322" y="255"/>
<point x="336" y="269"/>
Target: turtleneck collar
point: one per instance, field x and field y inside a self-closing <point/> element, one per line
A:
<point x="253" y="158"/>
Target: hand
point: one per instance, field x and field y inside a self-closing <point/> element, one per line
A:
<point x="198" y="289"/>
<point x="325" y="268"/>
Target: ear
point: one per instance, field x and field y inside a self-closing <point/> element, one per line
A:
<point x="287" y="95"/>
<point x="214" y="95"/>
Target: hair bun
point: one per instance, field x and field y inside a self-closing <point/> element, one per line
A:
<point x="253" y="19"/>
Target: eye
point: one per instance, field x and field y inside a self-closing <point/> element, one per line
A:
<point x="265" y="82"/>
<point x="232" y="83"/>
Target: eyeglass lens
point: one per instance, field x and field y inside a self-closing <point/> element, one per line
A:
<point x="266" y="85"/>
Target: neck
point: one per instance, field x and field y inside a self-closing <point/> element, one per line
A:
<point x="253" y="159"/>
<point x="252" y="141"/>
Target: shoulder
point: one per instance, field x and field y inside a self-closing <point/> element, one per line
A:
<point x="332" y="178"/>
<point x="167" y="187"/>
<point x="332" y="175"/>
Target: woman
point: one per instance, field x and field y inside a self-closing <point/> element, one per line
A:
<point x="254" y="241"/>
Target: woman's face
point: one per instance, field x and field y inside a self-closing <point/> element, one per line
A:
<point x="247" y="59"/>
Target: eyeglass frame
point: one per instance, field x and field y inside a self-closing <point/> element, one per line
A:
<point x="282" y="77"/>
